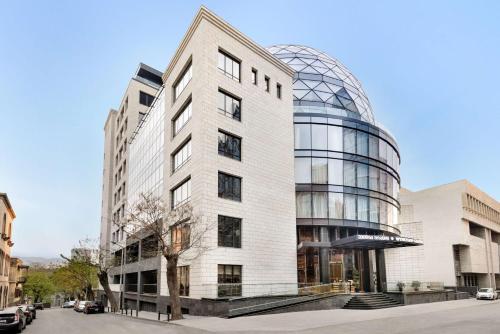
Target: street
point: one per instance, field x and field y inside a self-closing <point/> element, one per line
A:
<point x="59" y="321"/>
<point x="457" y="317"/>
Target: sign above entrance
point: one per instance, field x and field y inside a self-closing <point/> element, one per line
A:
<point x="362" y="241"/>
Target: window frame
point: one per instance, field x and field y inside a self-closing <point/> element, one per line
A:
<point x="236" y="226"/>
<point x="278" y="90"/>
<point x="224" y="112"/>
<point x="225" y="153"/>
<point x="178" y="150"/>
<point x="254" y="76"/>
<point x="147" y="96"/>
<point x="185" y="69"/>
<point x="267" y="84"/>
<point x="172" y="193"/>
<point x="233" y="59"/>
<point x="184" y="107"/>
<point x="232" y="196"/>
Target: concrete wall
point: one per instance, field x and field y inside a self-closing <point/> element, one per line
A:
<point x="267" y="209"/>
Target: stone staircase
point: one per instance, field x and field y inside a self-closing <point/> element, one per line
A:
<point x="370" y="301"/>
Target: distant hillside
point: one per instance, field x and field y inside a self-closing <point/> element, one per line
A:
<point x="41" y="261"/>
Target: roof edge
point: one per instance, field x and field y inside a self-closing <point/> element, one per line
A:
<point x="5" y="199"/>
<point x="205" y="14"/>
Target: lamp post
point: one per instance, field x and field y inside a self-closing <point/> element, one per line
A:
<point x="122" y="281"/>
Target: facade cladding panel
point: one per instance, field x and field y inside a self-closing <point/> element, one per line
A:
<point x="346" y="168"/>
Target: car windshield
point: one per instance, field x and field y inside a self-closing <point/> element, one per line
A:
<point x="484" y="290"/>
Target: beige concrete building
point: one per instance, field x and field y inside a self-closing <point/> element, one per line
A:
<point x="211" y="138"/>
<point x="460" y="227"/>
<point x="17" y="277"/>
<point x="7" y="215"/>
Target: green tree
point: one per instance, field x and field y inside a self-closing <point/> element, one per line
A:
<point x="76" y="277"/>
<point x="38" y="286"/>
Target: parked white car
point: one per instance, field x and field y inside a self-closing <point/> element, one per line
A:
<point x="81" y="305"/>
<point x="486" y="293"/>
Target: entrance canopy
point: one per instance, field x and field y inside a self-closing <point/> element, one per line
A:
<point x="361" y="241"/>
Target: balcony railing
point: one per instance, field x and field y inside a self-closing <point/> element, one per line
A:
<point x="149" y="289"/>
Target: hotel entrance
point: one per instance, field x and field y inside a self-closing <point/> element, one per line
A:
<point x="356" y="261"/>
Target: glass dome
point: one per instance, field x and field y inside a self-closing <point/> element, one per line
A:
<point x="322" y="81"/>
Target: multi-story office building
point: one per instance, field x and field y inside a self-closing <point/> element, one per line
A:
<point x="7" y="215"/>
<point x="118" y="129"/>
<point x="279" y="150"/>
<point x="460" y="228"/>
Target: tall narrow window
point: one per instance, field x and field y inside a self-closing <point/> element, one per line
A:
<point x="229" y="280"/>
<point x="182" y="118"/>
<point x="182" y="81"/>
<point x="278" y="90"/>
<point x="145" y="98"/>
<point x="229" y="105"/>
<point x="254" y="76"/>
<point x="183" y="279"/>
<point x="229" y="65"/>
<point x="229" y="187"/>
<point x="304" y="205"/>
<point x="349" y="140"/>
<point x="362" y="175"/>
<point x="181" y="194"/>
<point x="267" y="82"/>
<point x="180" y="235"/>
<point x="182" y="156"/>
<point x="229" y="232"/>
<point x="229" y="145"/>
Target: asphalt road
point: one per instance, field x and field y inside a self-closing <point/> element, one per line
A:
<point x="67" y="321"/>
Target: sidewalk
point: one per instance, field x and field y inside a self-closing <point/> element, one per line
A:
<point x="299" y="321"/>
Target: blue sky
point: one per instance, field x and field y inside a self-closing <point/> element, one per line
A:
<point x="429" y="68"/>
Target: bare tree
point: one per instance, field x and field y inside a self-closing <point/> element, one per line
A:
<point x="93" y="254"/>
<point x="179" y="233"/>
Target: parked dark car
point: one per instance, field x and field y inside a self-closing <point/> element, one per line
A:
<point x="32" y="308"/>
<point x="94" y="307"/>
<point x="38" y="306"/>
<point x="12" y="319"/>
<point x="27" y="313"/>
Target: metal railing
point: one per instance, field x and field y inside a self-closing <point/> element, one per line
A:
<point x="410" y="286"/>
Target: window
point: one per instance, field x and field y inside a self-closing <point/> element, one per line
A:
<point x="302" y="136"/>
<point x="303" y="205"/>
<point x="350" y="141"/>
<point x="373" y="147"/>
<point x="335" y="172"/>
<point x="267" y="82"/>
<point x="229" y="232"/>
<point x="229" y="66"/>
<point x="254" y="76"/>
<point x="229" y="105"/>
<point x="180" y="235"/>
<point x="182" y="118"/>
<point x="350" y="206"/>
<point x="349" y="174"/>
<point x="319" y="137"/>
<point x="278" y="91"/>
<point x="182" y="155"/>
<point x="319" y="170"/>
<point x="335" y="138"/>
<point x="145" y="98"/>
<point x="363" y="208"/>
<point x="362" y="143"/>
<point x="183" y="279"/>
<point x="336" y="205"/>
<point x="374" y="210"/>
<point x="302" y="170"/>
<point x="229" y="187"/>
<point x="181" y="194"/>
<point x="374" y="178"/>
<point x="229" y="280"/>
<point x="183" y="81"/>
<point x="362" y="175"/>
<point x="320" y="204"/>
<point x="229" y="145"/>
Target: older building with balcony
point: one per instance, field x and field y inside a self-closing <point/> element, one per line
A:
<point x="17" y="277"/>
<point x="460" y="228"/>
<point x="7" y="215"/>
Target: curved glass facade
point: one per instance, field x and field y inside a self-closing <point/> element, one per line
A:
<point x="346" y="170"/>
